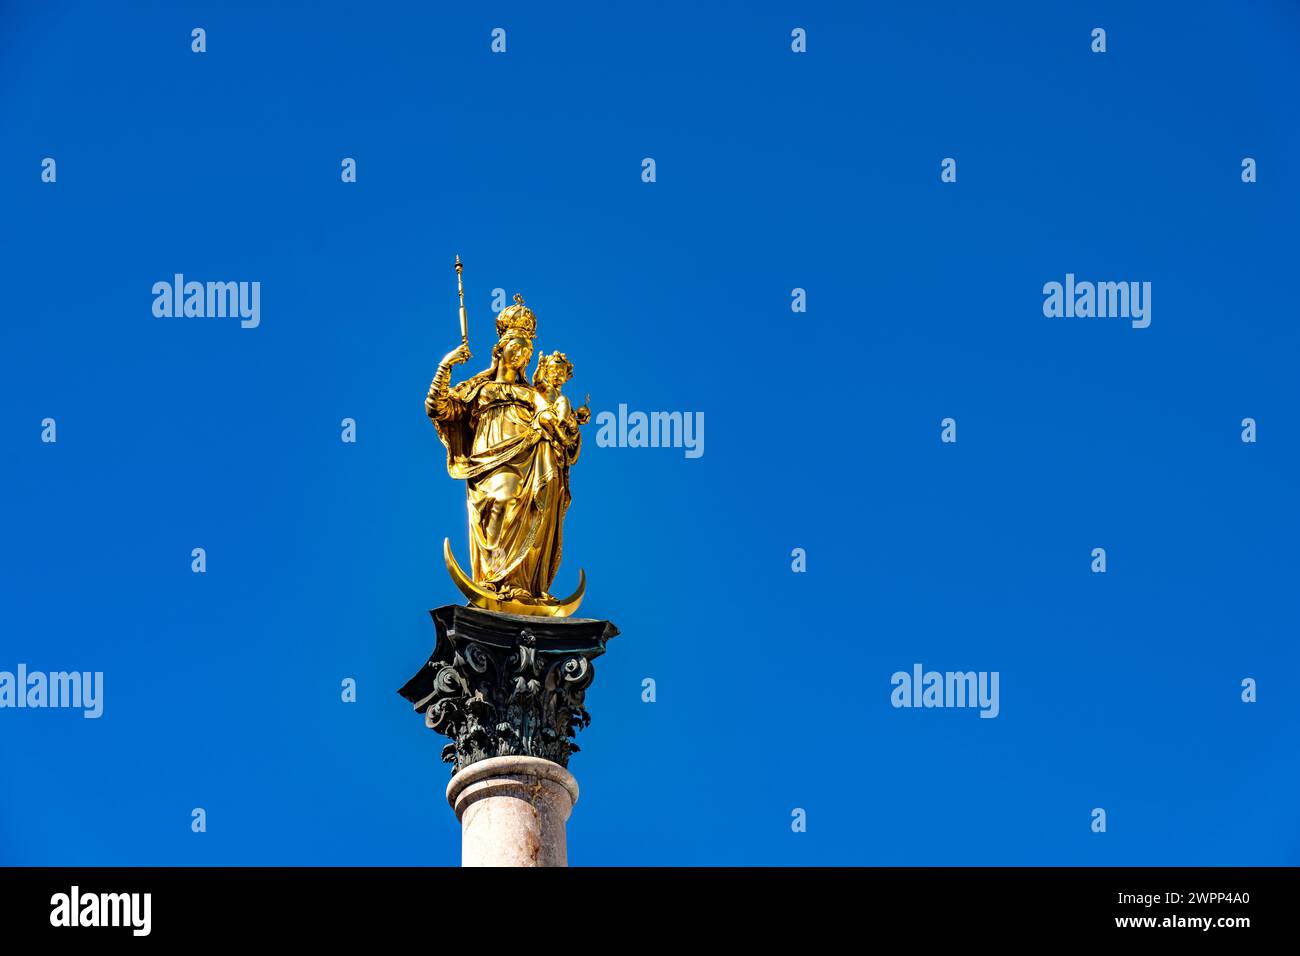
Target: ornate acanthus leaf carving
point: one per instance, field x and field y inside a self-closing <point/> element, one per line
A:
<point x="501" y="684"/>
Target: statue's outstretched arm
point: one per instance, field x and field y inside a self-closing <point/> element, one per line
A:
<point x="439" y="403"/>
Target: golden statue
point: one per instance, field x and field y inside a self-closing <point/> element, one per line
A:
<point x="512" y="443"/>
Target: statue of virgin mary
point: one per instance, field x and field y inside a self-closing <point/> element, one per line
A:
<point x="506" y="442"/>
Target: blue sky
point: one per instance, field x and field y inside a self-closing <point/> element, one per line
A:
<point x="775" y="170"/>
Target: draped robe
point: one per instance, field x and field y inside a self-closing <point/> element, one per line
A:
<point x="517" y="487"/>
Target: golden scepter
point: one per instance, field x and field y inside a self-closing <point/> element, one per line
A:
<point x="464" y="325"/>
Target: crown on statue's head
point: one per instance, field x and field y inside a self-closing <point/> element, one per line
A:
<point x="516" y="320"/>
<point x="558" y="359"/>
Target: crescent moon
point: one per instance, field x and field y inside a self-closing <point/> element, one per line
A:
<point x="485" y="599"/>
